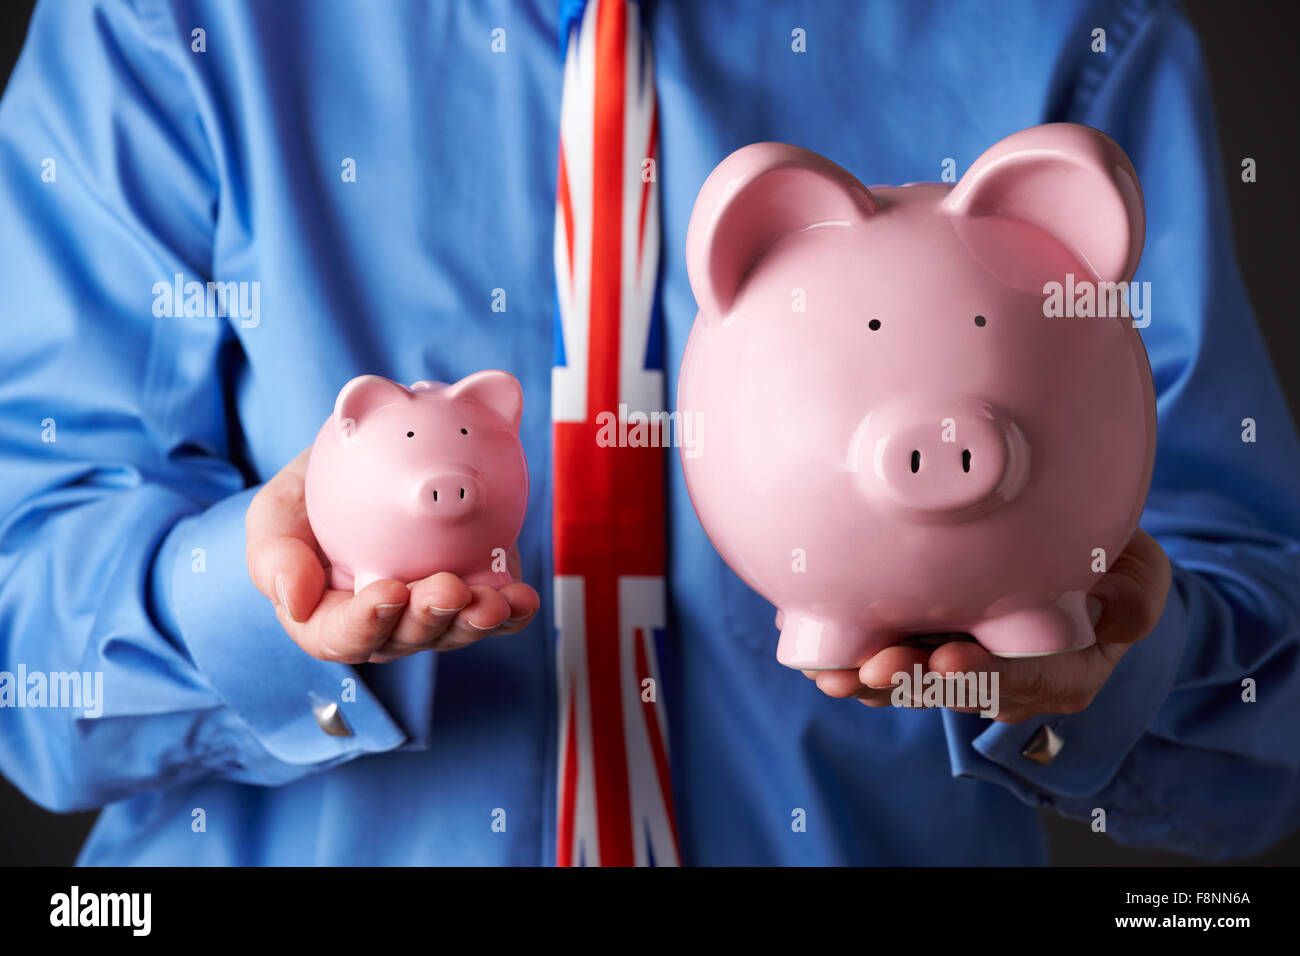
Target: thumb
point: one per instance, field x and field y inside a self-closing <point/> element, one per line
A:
<point x="1132" y="593"/>
<point x="288" y="572"/>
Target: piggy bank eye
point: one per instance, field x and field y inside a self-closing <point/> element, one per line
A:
<point x="464" y="431"/>
<point x="410" y="434"/>
<point x="873" y="325"/>
<point x="981" y="321"/>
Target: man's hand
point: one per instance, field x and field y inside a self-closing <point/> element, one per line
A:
<point x="1129" y="601"/>
<point x="388" y="619"/>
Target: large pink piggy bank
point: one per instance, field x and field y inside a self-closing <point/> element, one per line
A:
<point x="905" y="434"/>
<point x="406" y="482"/>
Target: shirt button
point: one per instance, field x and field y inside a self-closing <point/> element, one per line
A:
<point x="331" y="720"/>
<point x="1043" y="746"/>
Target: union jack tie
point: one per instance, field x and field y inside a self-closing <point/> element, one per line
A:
<point x="615" y="797"/>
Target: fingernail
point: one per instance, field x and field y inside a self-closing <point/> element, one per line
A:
<point x="386" y="612"/>
<point x="1094" y="609"/>
<point x="480" y="627"/>
<point x="282" y="594"/>
<point x="436" y="611"/>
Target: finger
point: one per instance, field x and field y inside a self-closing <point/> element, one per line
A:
<point x="956" y="659"/>
<point x="288" y="572"/>
<point x="879" y="697"/>
<point x="964" y="657"/>
<point x="350" y="628"/>
<point x="282" y="554"/>
<point x="486" y="610"/>
<point x="902" y="659"/>
<point x="867" y="695"/>
<point x="1035" y="680"/>
<point x="1054" y="684"/>
<point x="435" y="602"/>
<point x="882" y="673"/>
<point x="879" y="671"/>
<point x="840" y="684"/>
<point x="524" y="602"/>
<point x="1133" y="592"/>
<point x="424" y="626"/>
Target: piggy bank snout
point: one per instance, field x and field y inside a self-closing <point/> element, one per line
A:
<point x="943" y="463"/>
<point x="450" y="494"/>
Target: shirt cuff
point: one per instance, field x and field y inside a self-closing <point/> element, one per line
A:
<point x="1094" y="742"/>
<point x="205" y="601"/>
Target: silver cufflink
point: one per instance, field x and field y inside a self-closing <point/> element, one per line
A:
<point x="331" y="720"/>
<point x="1043" y="746"/>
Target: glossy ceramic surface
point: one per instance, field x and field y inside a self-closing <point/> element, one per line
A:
<point x="406" y="482"/>
<point x="901" y="438"/>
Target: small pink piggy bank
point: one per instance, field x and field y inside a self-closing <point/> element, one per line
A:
<point x="406" y="482"/>
<point x="927" y="408"/>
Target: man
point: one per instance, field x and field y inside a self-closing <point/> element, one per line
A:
<point x="384" y="179"/>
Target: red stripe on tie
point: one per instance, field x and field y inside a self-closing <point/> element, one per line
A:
<point x="645" y="184"/>
<point x="569" y="791"/>
<point x="650" y="711"/>
<point x="613" y="801"/>
<point x="566" y="208"/>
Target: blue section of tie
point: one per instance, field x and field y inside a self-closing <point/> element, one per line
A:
<point x="558" y="357"/>
<point x="654" y="346"/>
<point x="570" y="15"/>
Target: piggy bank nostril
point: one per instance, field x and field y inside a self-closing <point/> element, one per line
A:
<point x="965" y="460"/>
<point x="462" y="493"/>
<point x="916" y="461"/>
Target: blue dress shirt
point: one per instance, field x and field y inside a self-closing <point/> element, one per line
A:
<point x="134" y="149"/>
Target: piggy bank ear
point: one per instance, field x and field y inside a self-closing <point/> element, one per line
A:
<point x="496" y="390"/>
<point x="364" y="394"/>
<point x="757" y="195"/>
<point x="1049" y="199"/>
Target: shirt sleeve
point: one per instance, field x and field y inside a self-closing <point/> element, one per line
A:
<point x="1189" y="746"/>
<point x="121" y="513"/>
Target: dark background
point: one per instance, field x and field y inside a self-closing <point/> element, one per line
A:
<point x="1251" y="50"/>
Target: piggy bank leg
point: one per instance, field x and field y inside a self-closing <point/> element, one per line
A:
<point x="362" y="578"/>
<point x="340" y="578"/>
<point x="493" y="579"/>
<point x="1036" y="632"/>
<point x="811" y="643"/>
